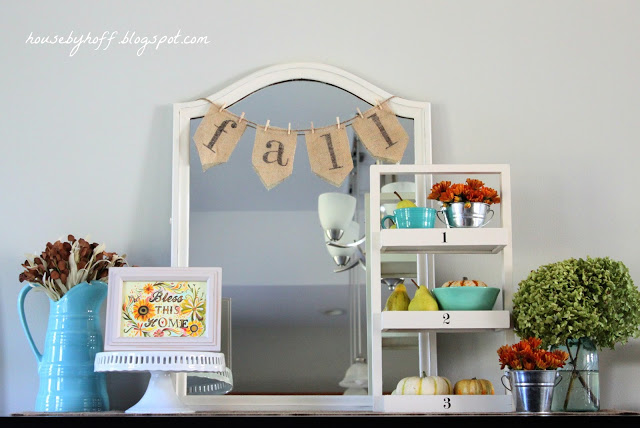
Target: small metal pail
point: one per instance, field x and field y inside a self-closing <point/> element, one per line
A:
<point x="478" y="214"/>
<point x="532" y="390"/>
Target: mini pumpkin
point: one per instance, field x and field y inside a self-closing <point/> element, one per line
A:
<point x="473" y="386"/>
<point x="423" y="385"/>
<point x="464" y="282"/>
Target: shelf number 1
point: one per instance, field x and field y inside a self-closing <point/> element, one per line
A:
<point x="446" y="318"/>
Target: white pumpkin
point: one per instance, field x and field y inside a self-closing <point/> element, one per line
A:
<point x="423" y="385"/>
<point x="464" y="282"/>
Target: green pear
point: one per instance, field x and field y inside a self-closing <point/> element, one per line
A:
<point x="423" y="300"/>
<point x="398" y="300"/>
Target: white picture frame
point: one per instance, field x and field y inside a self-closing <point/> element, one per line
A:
<point x="164" y="309"/>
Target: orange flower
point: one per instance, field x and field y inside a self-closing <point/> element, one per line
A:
<point x="443" y="185"/>
<point x="522" y="347"/>
<point x="474" y="184"/>
<point x="473" y="195"/>
<point x="528" y="362"/>
<point x="490" y="195"/>
<point x="471" y="191"/>
<point x="527" y="355"/>
<point x="438" y="189"/>
<point x="545" y="360"/>
<point x="458" y="191"/>
<point x="534" y="342"/>
<point x="446" y="196"/>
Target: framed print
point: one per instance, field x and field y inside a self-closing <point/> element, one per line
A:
<point x="164" y="308"/>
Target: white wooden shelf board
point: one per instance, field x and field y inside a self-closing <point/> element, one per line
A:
<point x="447" y="403"/>
<point x="398" y="265"/>
<point x="444" y="240"/>
<point x="395" y="340"/>
<point x="446" y="321"/>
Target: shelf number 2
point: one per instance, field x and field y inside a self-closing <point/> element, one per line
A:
<point x="447" y="403"/>
<point x="446" y="318"/>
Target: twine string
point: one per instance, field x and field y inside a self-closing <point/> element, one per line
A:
<point x="255" y="125"/>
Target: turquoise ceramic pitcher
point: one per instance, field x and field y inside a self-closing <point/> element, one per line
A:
<point x="68" y="382"/>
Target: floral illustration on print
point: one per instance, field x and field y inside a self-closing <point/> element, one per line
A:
<point x="195" y="328"/>
<point x="163" y="309"/>
<point x="143" y="310"/>
<point x="194" y="307"/>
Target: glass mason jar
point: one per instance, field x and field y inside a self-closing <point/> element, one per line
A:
<point x="579" y="388"/>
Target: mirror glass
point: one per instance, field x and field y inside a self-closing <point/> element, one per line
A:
<point x="276" y="270"/>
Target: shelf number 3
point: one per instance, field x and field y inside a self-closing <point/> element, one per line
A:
<point x="447" y="403"/>
<point x="446" y="318"/>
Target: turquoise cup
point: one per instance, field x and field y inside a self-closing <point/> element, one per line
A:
<point x="411" y="218"/>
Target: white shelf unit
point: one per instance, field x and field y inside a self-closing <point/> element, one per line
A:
<point x="424" y="243"/>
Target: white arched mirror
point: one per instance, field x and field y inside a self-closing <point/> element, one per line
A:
<point x="284" y="352"/>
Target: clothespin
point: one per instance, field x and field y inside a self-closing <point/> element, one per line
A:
<point x="223" y="107"/>
<point x="241" y="117"/>
<point x="378" y="104"/>
<point x="267" y="125"/>
<point x="359" y="112"/>
<point x="289" y="131"/>
<point x="338" y="121"/>
<point x="312" y="130"/>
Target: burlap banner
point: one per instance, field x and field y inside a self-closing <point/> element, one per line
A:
<point x="382" y="133"/>
<point x="330" y="153"/>
<point x="273" y="153"/>
<point x="274" y="148"/>
<point x="217" y="136"/>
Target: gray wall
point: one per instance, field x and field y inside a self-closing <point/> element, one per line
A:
<point x="549" y="87"/>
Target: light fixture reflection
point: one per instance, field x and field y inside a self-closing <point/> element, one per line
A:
<point x="357" y="375"/>
<point x="343" y="251"/>
<point x="336" y="211"/>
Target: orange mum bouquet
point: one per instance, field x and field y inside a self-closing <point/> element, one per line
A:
<point x="470" y="191"/>
<point x="528" y="355"/>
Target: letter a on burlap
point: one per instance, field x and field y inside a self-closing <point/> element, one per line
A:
<point x="382" y="133"/>
<point x="330" y="153"/>
<point x="273" y="153"/>
<point x="217" y="136"/>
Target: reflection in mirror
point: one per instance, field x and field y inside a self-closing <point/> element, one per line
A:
<point x="290" y="329"/>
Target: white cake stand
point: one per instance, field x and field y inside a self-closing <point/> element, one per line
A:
<point x="160" y="396"/>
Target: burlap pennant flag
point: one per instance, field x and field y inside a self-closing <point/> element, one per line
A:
<point x="381" y="133"/>
<point x="330" y="153"/>
<point x="273" y="153"/>
<point x="217" y="136"/>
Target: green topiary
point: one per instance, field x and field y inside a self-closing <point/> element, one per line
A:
<point x="575" y="298"/>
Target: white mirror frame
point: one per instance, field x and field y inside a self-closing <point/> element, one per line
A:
<point x="419" y="111"/>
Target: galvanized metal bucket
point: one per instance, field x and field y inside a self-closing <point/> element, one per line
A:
<point x="532" y="390"/>
<point x="477" y="214"/>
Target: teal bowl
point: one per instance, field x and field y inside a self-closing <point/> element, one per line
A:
<point x="466" y="298"/>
